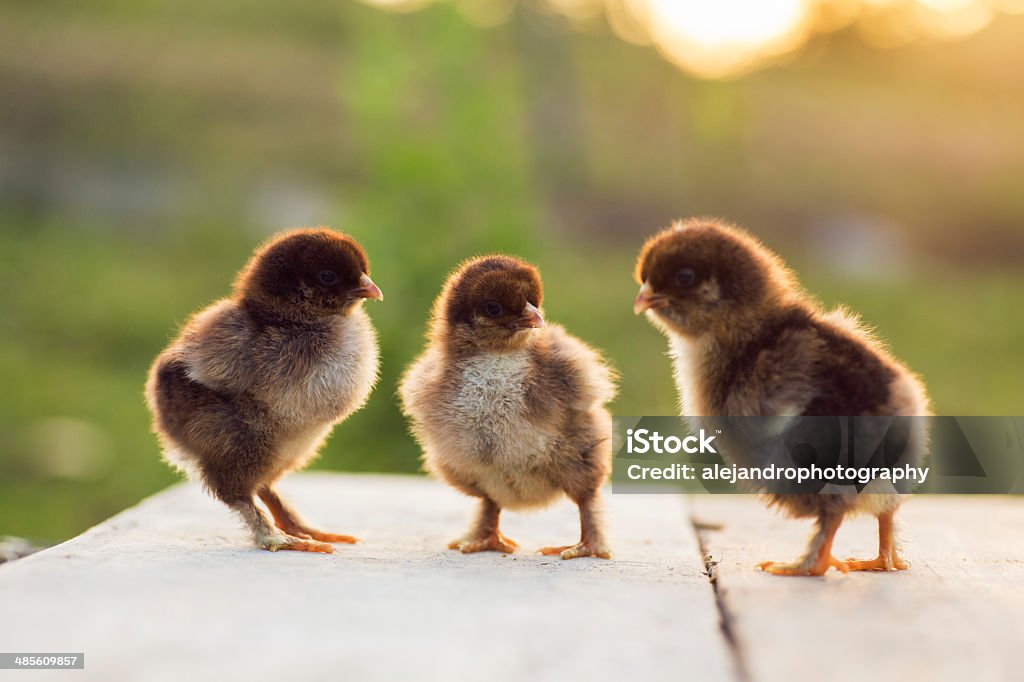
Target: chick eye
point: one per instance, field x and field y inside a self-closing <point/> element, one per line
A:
<point x="686" y="277"/>
<point x="328" y="277"/>
<point x="493" y="308"/>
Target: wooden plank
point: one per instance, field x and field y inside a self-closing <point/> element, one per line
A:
<point x="957" y="614"/>
<point x="172" y="590"/>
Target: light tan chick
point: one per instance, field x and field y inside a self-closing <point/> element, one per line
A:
<point x="510" y="409"/>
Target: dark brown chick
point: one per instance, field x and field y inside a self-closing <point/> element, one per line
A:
<point x="746" y="340"/>
<point x="253" y="384"/>
<point x="510" y="409"/>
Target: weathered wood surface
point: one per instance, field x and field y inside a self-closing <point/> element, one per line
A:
<point x="957" y="614"/>
<point x="172" y="590"/>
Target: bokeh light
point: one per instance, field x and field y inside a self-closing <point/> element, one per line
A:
<point x="729" y="38"/>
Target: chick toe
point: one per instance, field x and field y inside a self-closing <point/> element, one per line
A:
<point x="889" y="562"/>
<point x="304" y="532"/>
<point x="291" y="523"/>
<point x="597" y="550"/>
<point x="275" y="543"/>
<point x="494" y="542"/>
<point x="332" y="537"/>
<point x="818" y="567"/>
<point x="888" y="558"/>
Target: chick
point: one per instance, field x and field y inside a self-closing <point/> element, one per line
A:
<point x="253" y="384"/>
<point x="746" y="340"/>
<point x="510" y="409"/>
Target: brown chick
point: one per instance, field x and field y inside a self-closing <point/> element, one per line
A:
<point x="746" y="340"/>
<point x="253" y="384"/>
<point x="510" y="409"/>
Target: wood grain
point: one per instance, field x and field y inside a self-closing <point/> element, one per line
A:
<point x="172" y="589"/>
<point x="957" y="614"/>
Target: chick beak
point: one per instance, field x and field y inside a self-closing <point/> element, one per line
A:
<point x="531" y="319"/>
<point x="646" y="299"/>
<point x="367" y="289"/>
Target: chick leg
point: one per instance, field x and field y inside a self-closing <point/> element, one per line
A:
<point x="888" y="559"/>
<point x="818" y="558"/>
<point x="484" y="535"/>
<point x="592" y="542"/>
<point x="269" y="538"/>
<point x="289" y="520"/>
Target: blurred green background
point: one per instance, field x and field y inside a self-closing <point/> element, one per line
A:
<point x="147" y="147"/>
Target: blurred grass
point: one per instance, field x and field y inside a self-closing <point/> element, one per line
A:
<point x="146" y="147"/>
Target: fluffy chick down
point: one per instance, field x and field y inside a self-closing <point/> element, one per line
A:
<point x="507" y="408"/>
<point x="521" y="426"/>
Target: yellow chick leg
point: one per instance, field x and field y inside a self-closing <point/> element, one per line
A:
<point x="484" y="535"/>
<point x="269" y="538"/>
<point x="818" y="558"/>
<point x="288" y="520"/>
<point x="592" y="543"/>
<point x="887" y="559"/>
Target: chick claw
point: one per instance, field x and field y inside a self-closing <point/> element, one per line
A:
<point x="879" y="563"/>
<point x="495" y="542"/>
<point x="310" y="534"/>
<point x="307" y="533"/>
<point x="582" y="549"/>
<point x="276" y="543"/>
<point x="819" y="567"/>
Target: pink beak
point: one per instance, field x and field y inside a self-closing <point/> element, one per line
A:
<point x="367" y="289"/>
<point x="646" y="299"/>
<point x="531" y="319"/>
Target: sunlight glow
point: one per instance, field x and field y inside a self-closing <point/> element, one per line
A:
<point x="735" y="22"/>
<point x="728" y="38"/>
<point x="952" y="19"/>
<point x="399" y="5"/>
<point x="1009" y="6"/>
<point x="832" y="15"/>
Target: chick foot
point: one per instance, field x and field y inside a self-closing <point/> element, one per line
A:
<point x="891" y="562"/>
<point x="495" y="542"/>
<point x="333" y="537"/>
<point x="291" y="523"/>
<point x="597" y="550"/>
<point x="819" y="567"/>
<point x="313" y="534"/>
<point x="888" y="559"/>
<point x="275" y="543"/>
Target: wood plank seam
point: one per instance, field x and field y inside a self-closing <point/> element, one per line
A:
<point x="726" y="618"/>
